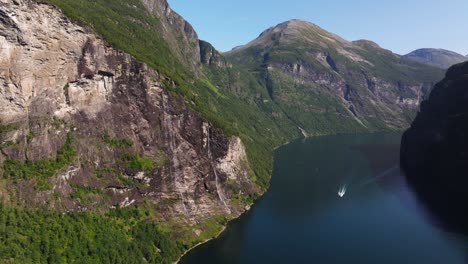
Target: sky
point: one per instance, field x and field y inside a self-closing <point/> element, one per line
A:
<point x="398" y="25"/>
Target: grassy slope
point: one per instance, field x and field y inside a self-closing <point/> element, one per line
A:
<point x="397" y="68"/>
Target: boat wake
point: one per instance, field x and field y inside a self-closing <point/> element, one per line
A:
<point x="394" y="169"/>
<point x="342" y="191"/>
<point x="391" y="171"/>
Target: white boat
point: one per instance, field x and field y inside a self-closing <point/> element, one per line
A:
<point x="342" y="191"/>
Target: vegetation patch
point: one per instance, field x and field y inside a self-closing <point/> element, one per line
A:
<point x="105" y="171"/>
<point x="9" y="143"/>
<point x="161" y="159"/>
<point x="243" y="200"/>
<point x="127" y="181"/>
<point x="117" y="142"/>
<point x="120" y="236"/>
<point x="5" y="128"/>
<point x="208" y="228"/>
<point x="29" y="169"/>
<point x="42" y="184"/>
<point x="80" y="192"/>
<point x="137" y="163"/>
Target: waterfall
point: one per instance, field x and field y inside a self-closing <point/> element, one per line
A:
<point x="174" y="161"/>
<point x="218" y="186"/>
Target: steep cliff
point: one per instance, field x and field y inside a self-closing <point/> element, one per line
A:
<point x="177" y="32"/>
<point x="118" y="105"/>
<point x="434" y="150"/>
<point x="319" y="80"/>
<point x="86" y="127"/>
<point x="210" y="56"/>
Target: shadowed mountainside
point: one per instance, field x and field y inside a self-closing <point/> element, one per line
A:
<point x="434" y="151"/>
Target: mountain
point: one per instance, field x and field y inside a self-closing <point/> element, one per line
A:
<point x="124" y="138"/>
<point x="436" y="57"/>
<point x="324" y="83"/>
<point x="433" y="150"/>
<point x="104" y="140"/>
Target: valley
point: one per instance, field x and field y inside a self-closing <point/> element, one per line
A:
<point x="120" y="126"/>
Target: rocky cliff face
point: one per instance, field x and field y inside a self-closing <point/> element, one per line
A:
<point x="436" y="57"/>
<point x="316" y="76"/>
<point x="434" y="150"/>
<point x="210" y="56"/>
<point x="86" y="127"/>
<point x="177" y="32"/>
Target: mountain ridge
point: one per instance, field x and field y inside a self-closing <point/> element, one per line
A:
<point x="301" y="24"/>
<point x="304" y="55"/>
<point x="125" y="116"/>
<point x="441" y="58"/>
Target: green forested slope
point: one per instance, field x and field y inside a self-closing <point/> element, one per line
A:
<point x="236" y="98"/>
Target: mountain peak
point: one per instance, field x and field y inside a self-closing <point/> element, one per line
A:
<point x="299" y="23"/>
<point x="294" y="25"/>
<point x="432" y="50"/>
<point x="436" y="57"/>
<point x="296" y="31"/>
<point x="366" y="43"/>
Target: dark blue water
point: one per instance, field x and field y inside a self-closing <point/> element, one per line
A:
<point x="303" y="220"/>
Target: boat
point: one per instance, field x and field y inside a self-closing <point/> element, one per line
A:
<point x="342" y="191"/>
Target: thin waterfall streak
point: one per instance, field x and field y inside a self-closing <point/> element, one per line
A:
<point x="171" y="140"/>
<point x="218" y="186"/>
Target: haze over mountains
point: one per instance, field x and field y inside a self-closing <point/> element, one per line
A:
<point x="437" y="57"/>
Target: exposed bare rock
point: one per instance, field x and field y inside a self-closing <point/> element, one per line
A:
<point x="58" y="78"/>
<point x="210" y="56"/>
<point x="177" y="32"/>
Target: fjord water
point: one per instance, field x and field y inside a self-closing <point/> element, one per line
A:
<point x="301" y="219"/>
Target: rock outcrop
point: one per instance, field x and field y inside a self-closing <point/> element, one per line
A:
<point x="434" y="151"/>
<point x="177" y="32"/>
<point x="210" y="56"/>
<point x="134" y="142"/>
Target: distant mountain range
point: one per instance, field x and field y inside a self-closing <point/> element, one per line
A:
<point x="326" y="84"/>
<point x="437" y="57"/>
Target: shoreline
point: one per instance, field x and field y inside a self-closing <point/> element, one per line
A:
<point x="203" y="242"/>
<point x="219" y="233"/>
<point x="253" y="204"/>
<point x="235" y="218"/>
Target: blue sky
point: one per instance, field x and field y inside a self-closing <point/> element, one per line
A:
<point x="398" y="25"/>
